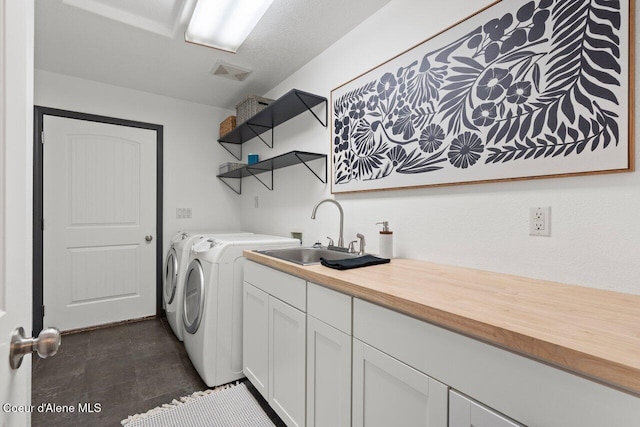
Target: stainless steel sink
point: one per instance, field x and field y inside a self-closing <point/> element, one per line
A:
<point x="307" y="256"/>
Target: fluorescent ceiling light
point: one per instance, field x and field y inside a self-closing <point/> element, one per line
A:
<point x="224" y="24"/>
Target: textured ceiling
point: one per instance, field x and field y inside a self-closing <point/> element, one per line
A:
<point x="135" y="45"/>
<point x="164" y="17"/>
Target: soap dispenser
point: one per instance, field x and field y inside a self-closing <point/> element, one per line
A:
<point x="386" y="241"/>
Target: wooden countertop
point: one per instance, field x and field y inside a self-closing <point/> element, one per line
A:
<point x="591" y="332"/>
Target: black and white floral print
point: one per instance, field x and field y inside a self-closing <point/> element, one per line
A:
<point x="431" y="138"/>
<point x="493" y="83"/>
<point x="538" y="82"/>
<point x="465" y="150"/>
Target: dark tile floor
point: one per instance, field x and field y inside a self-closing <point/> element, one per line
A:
<point x="127" y="369"/>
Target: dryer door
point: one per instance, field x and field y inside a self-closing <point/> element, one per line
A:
<point x="193" y="297"/>
<point x="170" y="276"/>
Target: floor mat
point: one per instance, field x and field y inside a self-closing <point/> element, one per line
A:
<point x="228" y="406"/>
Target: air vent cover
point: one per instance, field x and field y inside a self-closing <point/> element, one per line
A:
<point x="231" y="72"/>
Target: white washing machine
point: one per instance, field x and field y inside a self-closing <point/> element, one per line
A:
<point x="175" y="267"/>
<point x="212" y="313"/>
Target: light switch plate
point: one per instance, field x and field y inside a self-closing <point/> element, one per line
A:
<point x="183" y="213"/>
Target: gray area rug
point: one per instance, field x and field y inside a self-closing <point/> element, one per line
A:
<point x="229" y="406"/>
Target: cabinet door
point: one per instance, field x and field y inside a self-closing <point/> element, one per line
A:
<point x="287" y="360"/>
<point x="328" y="375"/>
<point x="386" y="392"/>
<point x="255" y="337"/>
<point x="464" y="412"/>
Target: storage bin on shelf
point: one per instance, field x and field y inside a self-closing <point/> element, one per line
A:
<point x="250" y="106"/>
<point x="229" y="166"/>
<point x="227" y="125"/>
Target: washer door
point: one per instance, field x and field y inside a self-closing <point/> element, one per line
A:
<point x="170" y="276"/>
<point x="193" y="297"/>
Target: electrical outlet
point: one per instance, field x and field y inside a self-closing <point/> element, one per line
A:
<point x="540" y="221"/>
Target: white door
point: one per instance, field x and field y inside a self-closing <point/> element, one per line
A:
<point x="99" y="214"/>
<point x="16" y="159"/>
<point x="287" y="362"/>
<point x="386" y="392"/>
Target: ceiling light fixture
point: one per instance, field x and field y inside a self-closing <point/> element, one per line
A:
<point x="224" y="24"/>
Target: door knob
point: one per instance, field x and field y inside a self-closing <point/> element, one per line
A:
<point x="148" y="238"/>
<point x="46" y="345"/>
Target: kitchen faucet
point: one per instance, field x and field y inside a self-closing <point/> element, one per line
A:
<point x="313" y="216"/>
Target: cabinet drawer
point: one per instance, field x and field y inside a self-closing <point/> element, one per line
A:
<point x="283" y="286"/>
<point x="332" y="307"/>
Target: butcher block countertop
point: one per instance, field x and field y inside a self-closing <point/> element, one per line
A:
<point x="591" y="332"/>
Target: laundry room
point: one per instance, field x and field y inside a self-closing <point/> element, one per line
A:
<point x="319" y="213"/>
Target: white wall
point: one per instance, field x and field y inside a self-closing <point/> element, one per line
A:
<point x="595" y="225"/>
<point x="191" y="153"/>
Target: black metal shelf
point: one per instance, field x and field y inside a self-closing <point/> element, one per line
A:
<point x="286" y="107"/>
<point x="269" y="165"/>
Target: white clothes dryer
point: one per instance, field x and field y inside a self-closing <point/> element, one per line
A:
<point x="212" y="313"/>
<point x="176" y="263"/>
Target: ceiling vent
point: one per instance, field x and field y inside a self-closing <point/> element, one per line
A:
<point x="231" y="72"/>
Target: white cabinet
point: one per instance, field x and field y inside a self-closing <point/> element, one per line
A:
<point x="287" y="330"/>
<point x="464" y="412"/>
<point x="328" y="357"/>
<point x="368" y="365"/>
<point x="328" y="375"/>
<point x="386" y="392"/>
<point x="255" y="337"/>
<point x="527" y="391"/>
<point x="274" y="339"/>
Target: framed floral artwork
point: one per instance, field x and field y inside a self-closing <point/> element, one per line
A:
<point x="522" y="89"/>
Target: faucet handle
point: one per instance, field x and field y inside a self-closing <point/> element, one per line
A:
<point x="330" y="241"/>
<point x="362" y="243"/>
<point x="352" y="247"/>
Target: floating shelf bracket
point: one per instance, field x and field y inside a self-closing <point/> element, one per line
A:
<point x="237" y="190"/>
<point x="259" y="134"/>
<point x="301" y="97"/>
<point x="324" y="181"/>
<point x="260" y="171"/>
<point x="238" y="147"/>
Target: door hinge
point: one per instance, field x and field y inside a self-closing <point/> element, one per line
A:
<point x="42" y="137"/>
<point x="42" y="224"/>
<point x="43" y="311"/>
